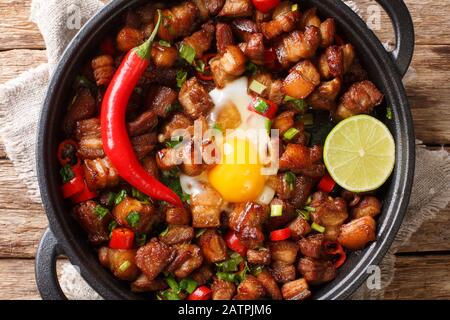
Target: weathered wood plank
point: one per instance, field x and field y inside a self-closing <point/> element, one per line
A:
<point x="23" y="221"/>
<point x="17" y="280"/>
<point x="420" y="277"/>
<point x="16" y="30"/>
<point x="14" y="62"/>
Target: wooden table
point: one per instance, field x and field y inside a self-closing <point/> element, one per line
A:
<point x="423" y="264"/>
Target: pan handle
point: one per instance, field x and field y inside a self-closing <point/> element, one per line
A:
<point x="45" y="268"/>
<point x="404" y="33"/>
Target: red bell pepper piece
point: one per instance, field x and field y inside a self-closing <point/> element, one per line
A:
<point x="76" y="185"/>
<point x="326" y="184"/>
<point x="233" y="242"/>
<point x="263" y="107"/>
<point x="201" y="293"/>
<point x="335" y="249"/>
<point x="116" y="142"/>
<point x="279" y="235"/>
<point x="265" y="5"/>
<point x="84" y="195"/>
<point x="121" y="238"/>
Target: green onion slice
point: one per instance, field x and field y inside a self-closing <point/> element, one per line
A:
<point x="257" y="87"/>
<point x="298" y="104"/>
<point x="290" y="177"/>
<point x="317" y="227"/>
<point x="133" y="219"/>
<point x="304" y="214"/>
<point x="199" y="232"/>
<point x="188" y="285"/>
<point x="276" y="210"/>
<point x="101" y="211"/>
<point x="187" y="53"/>
<point x="67" y="173"/>
<point x="124" y="266"/>
<point x="120" y="196"/>
<point x="291" y="133"/>
<point x="261" y="106"/>
<point x="181" y="78"/>
<point x="164" y="232"/>
<point x="164" y="43"/>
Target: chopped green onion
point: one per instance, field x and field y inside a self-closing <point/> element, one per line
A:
<point x="261" y="106"/>
<point x="120" y="196"/>
<point x="268" y="125"/>
<point x="291" y="133"/>
<point x="174" y="142"/>
<point x="199" y="232"/>
<point x="257" y="87"/>
<point x="141" y="239"/>
<point x="101" y="211"/>
<point x="317" y="227"/>
<point x="308" y="119"/>
<point x="200" y="66"/>
<point x="164" y="232"/>
<point x="181" y="78"/>
<point x="298" y="104"/>
<point x="230" y="265"/>
<point x="188" y="285"/>
<point x="133" y="219"/>
<point x="187" y="53"/>
<point x="304" y="214"/>
<point x="173" y="284"/>
<point x="251" y="67"/>
<point x="169" y="295"/>
<point x="124" y="266"/>
<point x="67" y="173"/>
<point x="389" y="113"/>
<point x="290" y="177"/>
<point x="276" y="210"/>
<point x="243" y="274"/>
<point x="164" y="43"/>
<point x="226" y="276"/>
<point x="294" y="7"/>
<point x="309" y="200"/>
<point x="309" y="209"/>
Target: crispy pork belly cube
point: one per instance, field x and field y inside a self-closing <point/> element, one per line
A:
<point x="316" y="271"/>
<point x="121" y="262"/>
<point x="284" y="251"/>
<point x="177" y="234"/>
<point x="92" y="223"/>
<point x="154" y="257"/>
<point x="260" y="256"/>
<point x="213" y="246"/>
<point x="222" y="290"/>
<point x="296" y="290"/>
<point x="195" y="99"/>
<point x="143" y="284"/>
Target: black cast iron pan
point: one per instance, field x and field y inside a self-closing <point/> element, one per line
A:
<point x="65" y="237"/>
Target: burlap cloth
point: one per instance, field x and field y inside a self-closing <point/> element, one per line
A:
<point x="21" y="101"/>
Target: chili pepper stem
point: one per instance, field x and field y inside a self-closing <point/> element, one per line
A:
<point x="144" y="50"/>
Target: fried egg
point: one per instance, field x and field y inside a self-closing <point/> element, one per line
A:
<point x="239" y="175"/>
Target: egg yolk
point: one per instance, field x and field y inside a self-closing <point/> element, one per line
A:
<point x="238" y="177"/>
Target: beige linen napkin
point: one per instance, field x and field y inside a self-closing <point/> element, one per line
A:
<point x="21" y="100"/>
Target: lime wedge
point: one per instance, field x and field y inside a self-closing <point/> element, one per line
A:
<point x="359" y="153"/>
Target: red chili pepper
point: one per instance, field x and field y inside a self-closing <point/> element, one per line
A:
<point x="84" y="195"/>
<point x="116" y="142"/>
<point x="107" y="47"/>
<point x="270" y="58"/>
<point x="67" y="152"/>
<point x="265" y="5"/>
<point x="121" y="238"/>
<point x="335" y="249"/>
<point x="76" y="185"/>
<point x="279" y="235"/>
<point x="264" y="107"/>
<point x="201" y="293"/>
<point x="326" y="184"/>
<point x="233" y="242"/>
